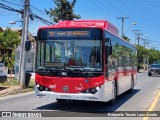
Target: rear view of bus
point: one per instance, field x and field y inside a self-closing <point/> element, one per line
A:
<point x="72" y="62"/>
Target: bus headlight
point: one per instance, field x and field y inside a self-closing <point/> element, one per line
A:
<point x="37" y="85"/>
<point x="92" y="90"/>
<point x="42" y="88"/>
<point x="97" y="88"/>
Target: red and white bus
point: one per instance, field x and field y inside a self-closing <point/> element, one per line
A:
<point x="84" y="60"/>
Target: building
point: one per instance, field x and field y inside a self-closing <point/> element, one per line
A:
<point x="30" y="56"/>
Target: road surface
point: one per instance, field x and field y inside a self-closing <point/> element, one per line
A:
<point x="140" y="100"/>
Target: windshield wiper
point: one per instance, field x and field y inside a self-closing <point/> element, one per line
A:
<point x="92" y="69"/>
<point x="81" y="68"/>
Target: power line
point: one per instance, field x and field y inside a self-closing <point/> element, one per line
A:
<point x="11" y="2"/>
<point x="146" y="3"/>
<point x="106" y="7"/>
<point x="114" y="7"/>
<point x="95" y="3"/>
<point x="7" y="14"/>
<point x="38" y="9"/>
<point x="43" y="20"/>
<point x="32" y="15"/>
<point x="10" y="8"/>
<point x="41" y="12"/>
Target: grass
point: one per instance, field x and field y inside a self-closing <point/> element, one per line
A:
<point x="14" y="82"/>
<point x="10" y="82"/>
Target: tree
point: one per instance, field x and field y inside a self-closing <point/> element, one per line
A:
<point x="151" y="55"/>
<point x="125" y="38"/>
<point x="9" y="41"/>
<point x="63" y="11"/>
<point x="154" y="55"/>
<point x="142" y="54"/>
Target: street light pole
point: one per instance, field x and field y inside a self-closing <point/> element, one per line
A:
<point x="22" y="66"/>
<point x="14" y="22"/>
<point x="130" y="27"/>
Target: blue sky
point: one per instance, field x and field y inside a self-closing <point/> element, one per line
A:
<point x="144" y="12"/>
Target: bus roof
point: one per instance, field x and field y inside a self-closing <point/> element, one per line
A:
<point x="103" y="24"/>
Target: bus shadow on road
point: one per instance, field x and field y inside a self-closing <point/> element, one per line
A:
<point x="87" y="106"/>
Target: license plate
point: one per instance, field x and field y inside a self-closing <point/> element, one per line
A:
<point x="65" y="96"/>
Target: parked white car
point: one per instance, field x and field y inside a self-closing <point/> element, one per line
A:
<point x="3" y="73"/>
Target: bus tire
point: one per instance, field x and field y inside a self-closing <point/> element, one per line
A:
<point x="132" y="85"/>
<point x="61" y="101"/>
<point x="113" y="100"/>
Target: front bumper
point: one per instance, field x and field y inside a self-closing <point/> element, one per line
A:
<point x="69" y="96"/>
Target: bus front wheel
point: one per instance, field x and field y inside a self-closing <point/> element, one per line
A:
<point x="114" y="95"/>
<point x="61" y="101"/>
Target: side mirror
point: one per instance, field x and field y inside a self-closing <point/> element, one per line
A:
<point x="108" y="46"/>
<point x="108" y="40"/>
<point x="109" y="50"/>
<point x="28" y="45"/>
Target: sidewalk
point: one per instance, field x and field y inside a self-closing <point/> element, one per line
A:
<point x="4" y="91"/>
<point x="10" y="90"/>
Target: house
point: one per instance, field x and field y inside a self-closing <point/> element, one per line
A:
<point x="30" y="56"/>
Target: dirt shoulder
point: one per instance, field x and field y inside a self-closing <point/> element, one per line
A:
<point x="12" y="90"/>
<point x="11" y="87"/>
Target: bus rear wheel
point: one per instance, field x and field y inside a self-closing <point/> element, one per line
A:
<point x="132" y="85"/>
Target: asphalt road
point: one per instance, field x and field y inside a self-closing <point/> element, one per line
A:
<point x="140" y="100"/>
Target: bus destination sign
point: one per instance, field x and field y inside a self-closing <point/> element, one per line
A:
<point x="68" y="33"/>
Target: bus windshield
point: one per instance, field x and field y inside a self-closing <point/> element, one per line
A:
<point x="69" y="53"/>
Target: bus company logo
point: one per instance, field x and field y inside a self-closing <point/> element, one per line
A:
<point x="52" y="86"/>
<point x="79" y="88"/>
<point x="65" y="88"/>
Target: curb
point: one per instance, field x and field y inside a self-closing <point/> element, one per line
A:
<point x="17" y="95"/>
<point x="10" y="90"/>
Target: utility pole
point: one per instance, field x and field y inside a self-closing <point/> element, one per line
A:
<point x="22" y="66"/>
<point x="135" y="32"/>
<point x="122" y="18"/>
<point x="138" y="37"/>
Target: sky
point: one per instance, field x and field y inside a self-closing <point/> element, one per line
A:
<point x="145" y="13"/>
